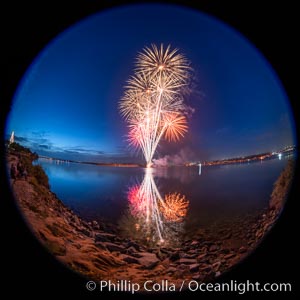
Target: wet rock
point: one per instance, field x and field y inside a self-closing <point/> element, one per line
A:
<point x="183" y="267"/>
<point x="243" y="249"/>
<point x="152" y="250"/>
<point x="86" y="231"/>
<point x="207" y="243"/>
<point x="174" y="256"/>
<point x="187" y="261"/>
<point x="160" y="255"/>
<point x="216" y="265"/>
<point x="213" y="248"/>
<point x="165" y="250"/>
<point x="194" y="243"/>
<point x="201" y="257"/>
<point x="224" y="250"/>
<point x="186" y="255"/>
<point x="197" y="277"/>
<point x="80" y="266"/>
<point x="205" y="268"/>
<point x="259" y="233"/>
<point x="217" y="274"/>
<point x="171" y="270"/>
<point x="78" y="246"/>
<point x="227" y="236"/>
<point x="182" y="271"/>
<point x="234" y="243"/>
<point x="95" y="225"/>
<point x="100" y="245"/>
<point x="75" y="219"/>
<point x="130" y="259"/>
<point x="132" y="251"/>
<point x="42" y="235"/>
<point x="88" y="227"/>
<point x="136" y="254"/>
<point x="180" y="274"/>
<point x="104" y="237"/>
<point x="194" y="267"/>
<point x="148" y="260"/>
<point x="56" y="248"/>
<point x="113" y="247"/>
<point x="229" y="255"/>
<point x="159" y="269"/>
<point x="134" y="245"/>
<point x="166" y="262"/>
<point x="187" y="242"/>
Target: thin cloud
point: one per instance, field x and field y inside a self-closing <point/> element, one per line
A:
<point x="43" y="146"/>
<point x="21" y="139"/>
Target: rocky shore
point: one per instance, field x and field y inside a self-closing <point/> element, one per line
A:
<point x="96" y="250"/>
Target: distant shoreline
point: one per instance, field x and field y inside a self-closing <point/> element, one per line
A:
<point x="132" y="165"/>
<point x="238" y="160"/>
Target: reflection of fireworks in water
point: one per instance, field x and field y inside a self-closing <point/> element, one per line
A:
<point x="175" y="207"/>
<point x="155" y="216"/>
<point x="153" y="102"/>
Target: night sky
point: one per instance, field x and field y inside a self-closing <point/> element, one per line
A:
<point x="67" y="103"/>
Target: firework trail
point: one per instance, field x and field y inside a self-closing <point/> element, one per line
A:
<point x="153" y="102"/>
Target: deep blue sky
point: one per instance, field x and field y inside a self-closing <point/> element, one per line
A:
<point x="66" y="104"/>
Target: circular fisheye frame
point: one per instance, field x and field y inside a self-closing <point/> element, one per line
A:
<point x="140" y="149"/>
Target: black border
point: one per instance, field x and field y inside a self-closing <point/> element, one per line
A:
<point x="28" y="27"/>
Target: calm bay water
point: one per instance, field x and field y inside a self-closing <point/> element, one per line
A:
<point x="101" y="193"/>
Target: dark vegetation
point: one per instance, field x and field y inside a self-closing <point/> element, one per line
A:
<point x="26" y="158"/>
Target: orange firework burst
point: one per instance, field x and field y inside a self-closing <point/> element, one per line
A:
<point x="176" y="126"/>
<point x="175" y="207"/>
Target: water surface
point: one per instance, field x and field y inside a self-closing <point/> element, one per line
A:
<point x="101" y="193"/>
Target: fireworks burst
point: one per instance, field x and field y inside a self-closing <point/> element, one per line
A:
<point x="176" y="126"/>
<point x="153" y="102"/>
<point x="159" y="61"/>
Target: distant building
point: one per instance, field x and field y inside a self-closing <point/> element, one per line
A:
<point x="12" y="138"/>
